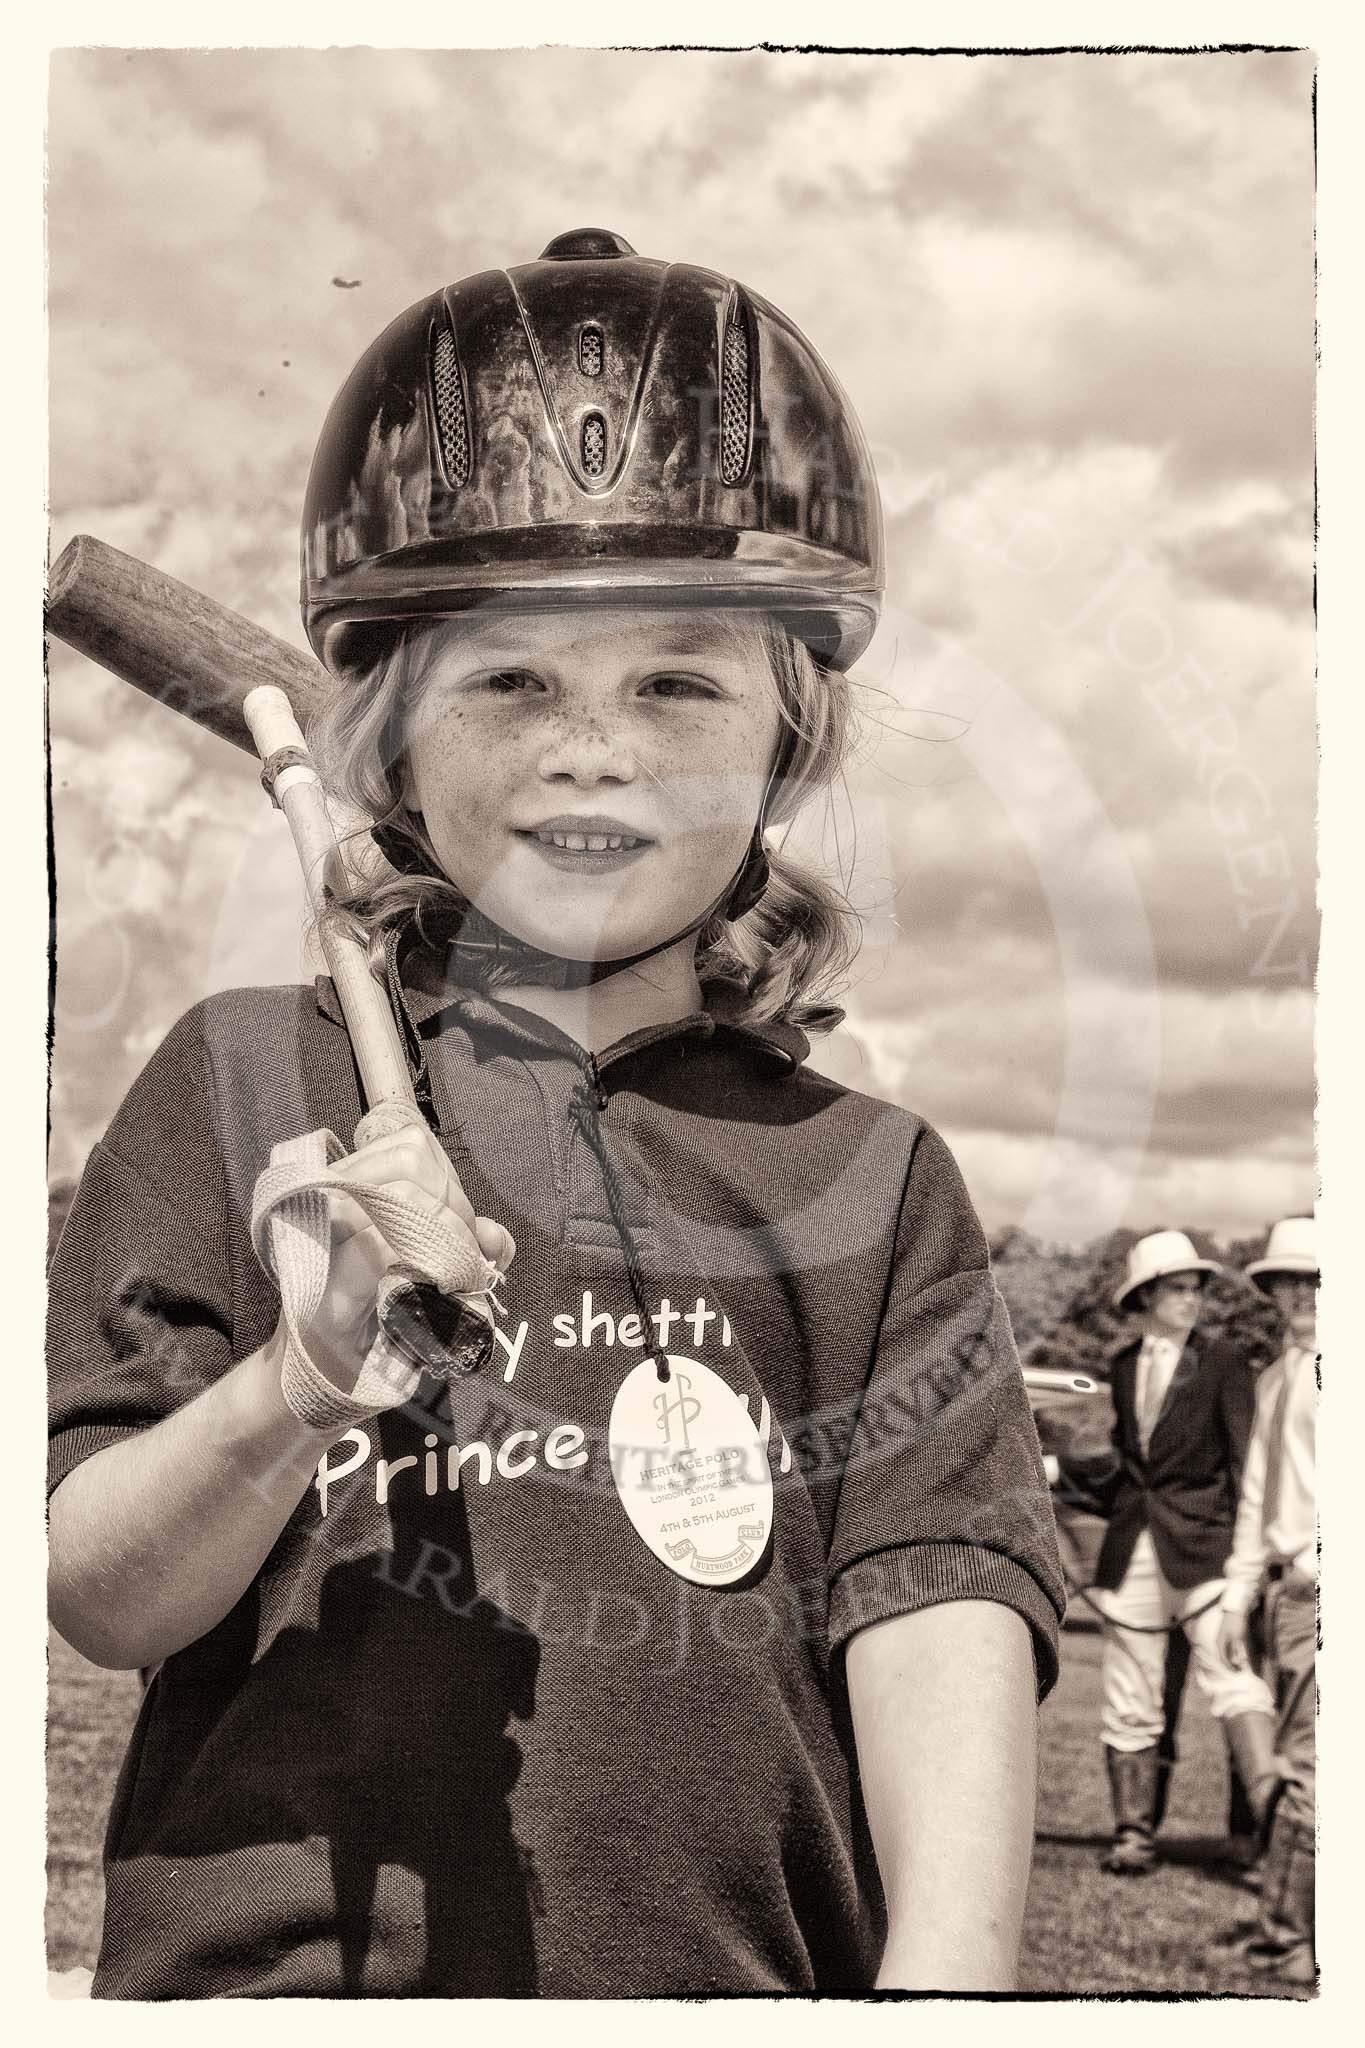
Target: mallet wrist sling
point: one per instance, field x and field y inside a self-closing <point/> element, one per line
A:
<point x="291" y="1231"/>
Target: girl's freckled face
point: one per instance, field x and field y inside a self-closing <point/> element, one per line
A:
<point x="640" y="742"/>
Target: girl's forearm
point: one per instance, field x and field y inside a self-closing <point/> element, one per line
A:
<point x="946" y="1730"/>
<point x="153" y="1540"/>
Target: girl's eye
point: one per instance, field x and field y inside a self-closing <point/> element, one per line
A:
<point x="505" y="682"/>
<point x="680" y="686"/>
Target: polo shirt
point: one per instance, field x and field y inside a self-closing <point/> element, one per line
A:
<point x="466" y="1733"/>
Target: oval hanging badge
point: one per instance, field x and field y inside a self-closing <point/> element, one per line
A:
<point x="691" y="1471"/>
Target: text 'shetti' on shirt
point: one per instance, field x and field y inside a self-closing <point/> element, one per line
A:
<point x="467" y="1734"/>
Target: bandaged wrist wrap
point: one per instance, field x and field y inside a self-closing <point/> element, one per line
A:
<point x="291" y="1230"/>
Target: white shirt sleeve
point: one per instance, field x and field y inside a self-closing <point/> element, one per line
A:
<point x="1245" y="1568"/>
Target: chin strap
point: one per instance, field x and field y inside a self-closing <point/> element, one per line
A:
<point x="456" y="923"/>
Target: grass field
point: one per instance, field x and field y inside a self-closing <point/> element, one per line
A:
<point x="1085" y="1932"/>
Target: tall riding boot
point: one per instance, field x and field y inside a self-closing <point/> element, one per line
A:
<point x="1251" y="1751"/>
<point x="1165" y="1765"/>
<point x="1172" y="1697"/>
<point x="1243" y="1845"/>
<point x="1133" y="1782"/>
<point x="1284" y="1938"/>
<point x="1241" y="1818"/>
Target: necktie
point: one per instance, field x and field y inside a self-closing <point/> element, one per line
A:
<point x="1152" y="1391"/>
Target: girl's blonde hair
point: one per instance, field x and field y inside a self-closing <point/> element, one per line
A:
<point x="787" y="958"/>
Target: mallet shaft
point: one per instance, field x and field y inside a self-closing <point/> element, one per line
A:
<point x="375" y="1041"/>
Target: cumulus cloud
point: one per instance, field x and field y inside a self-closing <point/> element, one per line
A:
<point x="1264" y="558"/>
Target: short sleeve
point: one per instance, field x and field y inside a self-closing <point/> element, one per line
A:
<point x="139" y="1289"/>
<point x="943" y="1495"/>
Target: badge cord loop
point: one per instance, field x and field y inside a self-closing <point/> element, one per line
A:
<point x="583" y="1108"/>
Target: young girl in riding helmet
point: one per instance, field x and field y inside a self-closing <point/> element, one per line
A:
<point x="678" y="1628"/>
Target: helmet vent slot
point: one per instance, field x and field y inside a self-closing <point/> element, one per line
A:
<point x="451" y="422"/>
<point x="734" y="399"/>
<point x="590" y="351"/>
<point x="594" y="445"/>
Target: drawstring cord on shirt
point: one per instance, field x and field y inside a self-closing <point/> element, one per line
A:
<point x="585" y="1102"/>
<point x="587" y="1099"/>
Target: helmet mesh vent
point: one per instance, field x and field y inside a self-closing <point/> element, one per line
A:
<point x="590" y="351"/>
<point x="734" y="401"/>
<point x="594" y="444"/>
<point x="451" y="423"/>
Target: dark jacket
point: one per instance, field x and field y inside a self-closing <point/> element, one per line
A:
<point x="1185" y="1489"/>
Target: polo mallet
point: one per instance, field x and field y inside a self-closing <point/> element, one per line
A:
<point x="210" y="664"/>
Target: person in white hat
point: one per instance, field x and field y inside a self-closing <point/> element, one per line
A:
<point x="1183" y="1406"/>
<point x="1275" y="1548"/>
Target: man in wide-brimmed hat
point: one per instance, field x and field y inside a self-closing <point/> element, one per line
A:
<point x="1183" y="1406"/>
<point x="1275" y="1547"/>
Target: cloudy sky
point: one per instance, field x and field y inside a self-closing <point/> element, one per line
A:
<point x="1072" y="300"/>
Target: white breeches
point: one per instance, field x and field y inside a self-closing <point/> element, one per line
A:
<point x="1134" y="1666"/>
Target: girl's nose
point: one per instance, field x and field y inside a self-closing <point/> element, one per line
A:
<point x="583" y="753"/>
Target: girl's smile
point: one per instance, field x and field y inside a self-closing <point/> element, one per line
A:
<point x="591" y="781"/>
<point x="587" y="844"/>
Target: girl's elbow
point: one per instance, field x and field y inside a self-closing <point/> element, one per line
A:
<point x="105" y="1656"/>
<point x="84" y="1615"/>
<point x="91" y="1637"/>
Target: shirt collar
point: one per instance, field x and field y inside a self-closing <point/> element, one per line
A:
<point x="1139" y="1347"/>
<point x="430" y="999"/>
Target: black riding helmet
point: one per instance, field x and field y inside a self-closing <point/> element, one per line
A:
<point x="592" y="427"/>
